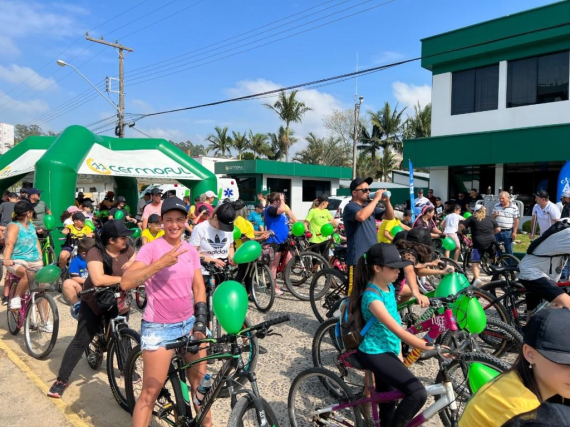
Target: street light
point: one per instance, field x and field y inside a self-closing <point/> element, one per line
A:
<point x="356" y="129"/>
<point x="64" y="64"/>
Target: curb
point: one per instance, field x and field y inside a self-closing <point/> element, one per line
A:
<point x="67" y="412"/>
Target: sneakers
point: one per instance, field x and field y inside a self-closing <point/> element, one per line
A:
<point x="57" y="389"/>
<point x="278" y="291"/>
<point x="477" y="283"/>
<point x="4" y="300"/>
<point x="16" y="303"/>
<point x="47" y="327"/>
<point x="74" y="310"/>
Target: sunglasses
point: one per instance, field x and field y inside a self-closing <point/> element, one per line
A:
<point x="364" y="190"/>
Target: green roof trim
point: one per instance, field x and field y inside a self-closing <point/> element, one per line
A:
<point x="270" y="167"/>
<point x="448" y="52"/>
<point x="533" y="144"/>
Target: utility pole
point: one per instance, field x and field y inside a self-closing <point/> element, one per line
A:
<point x="120" y="131"/>
<point x="356" y="131"/>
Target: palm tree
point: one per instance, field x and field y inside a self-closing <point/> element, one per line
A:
<point x="370" y="142"/>
<point x="220" y="143"/>
<point x="386" y="164"/>
<point x="258" y="144"/>
<point x="290" y="111"/>
<point x="240" y="143"/>
<point x="419" y="126"/>
<point x="331" y="151"/>
<point x="278" y="145"/>
<point x="389" y="122"/>
<point x="365" y="165"/>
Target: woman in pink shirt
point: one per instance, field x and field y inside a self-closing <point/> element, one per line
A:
<point x="176" y="305"/>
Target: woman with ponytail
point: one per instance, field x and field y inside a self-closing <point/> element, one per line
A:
<point x="106" y="262"/>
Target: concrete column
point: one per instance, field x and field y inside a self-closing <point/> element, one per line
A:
<point x="499" y="170"/>
<point x="439" y="181"/>
<point x="502" y="85"/>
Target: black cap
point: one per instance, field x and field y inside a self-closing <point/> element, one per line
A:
<point x="543" y="194"/>
<point x="323" y="198"/>
<point x="546" y="415"/>
<point x="115" y="228"/>
<point x="357" y="181"/>
<point x="197" y="199"/>
<point x="78" y="216"/>
<point x="153" y="219"/>
<point x="173" y="204"/>
<point x="259" y="206"/>
<point x="155" y="191"/>
<point x="203" y="208"/>
<point x="415" y="235"/>
<point x="34" y="191"/>
<point x="120" y="199"/>
<point x="87" y="204"/>
<point x="239" y="204"/>
<point x="385" y="254"/>
<point x="544" y="332"/>
<point x="226" y="215"/>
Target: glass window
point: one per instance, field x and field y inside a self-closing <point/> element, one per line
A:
<point x="475" y="90"/>
<point x="538" y="80"/>
<point x="313" y="189"/>
<point x="464" y="178"/>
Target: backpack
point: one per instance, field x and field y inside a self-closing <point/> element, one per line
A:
<point x="351" y="327"/>
<point x="557" y="227"/>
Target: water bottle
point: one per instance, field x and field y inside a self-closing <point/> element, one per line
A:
<point x="203" y="388"/>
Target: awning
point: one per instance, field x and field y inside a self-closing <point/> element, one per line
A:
<point x="22" y="165"/>
<point x="144" y="164"/>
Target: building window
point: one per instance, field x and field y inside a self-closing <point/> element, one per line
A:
<point x="538" y="80"/>
<point x="313" y="189"/>
<point x="464" y="178"/>
<point x="475" y="90"/>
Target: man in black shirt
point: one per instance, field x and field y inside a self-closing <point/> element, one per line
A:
<point x="473" y="198"/>
<point x="462" y="201"/>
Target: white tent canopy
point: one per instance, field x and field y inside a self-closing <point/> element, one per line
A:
<point x="24" y="164"/>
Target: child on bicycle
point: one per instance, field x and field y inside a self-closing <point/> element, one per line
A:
<point x="77" y="273"/>
<point x="381" y="348"/>
<point x="77" y="230"/>
<point x="154" y="230"/>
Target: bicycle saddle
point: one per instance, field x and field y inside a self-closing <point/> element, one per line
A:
<point x="504" y="269"/>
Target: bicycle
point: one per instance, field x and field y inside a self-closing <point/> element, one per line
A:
<point x="262" y="285"/>
<point x="39" y="315"/>
<point x="117" y="340"/>
<point x="173" y="406"/>
<point x="491" y="258"/>
<point x="47" y="247"/>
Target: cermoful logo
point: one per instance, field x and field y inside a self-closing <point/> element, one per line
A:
<point x="6" y="171"/>
<point x="96" y="167"/>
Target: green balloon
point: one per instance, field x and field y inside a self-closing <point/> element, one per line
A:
<point x="467" y="215"/>
<point x="128" y="209"/>
<point x="298" y="229"/>
<point x="104" y="213"/>
<point x="237" y="233"/>
<point x="137" y="233"/>
<point x="90" y="224"/>
<point x="479" y="375"/>
<point x="230" y="305"/>
<point x="248" y="252"/>
<point x="49" y="222"/>
<point x="470" y="314"/>
<point x="451" y="284"/>
<point x="48" y="274"/>
<point x="448" y="243"/>
<point x="395" y="230"/>
<point x="336" y="238"/>
<point x="327" y="230"/>
<point x="119" y="214"/>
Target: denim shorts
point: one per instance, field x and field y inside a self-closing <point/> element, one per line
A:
<point x="156" y="335"/>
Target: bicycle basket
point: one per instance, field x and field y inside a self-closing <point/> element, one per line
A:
<point x="44" y="279"/>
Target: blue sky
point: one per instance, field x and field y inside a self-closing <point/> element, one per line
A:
<point x="202" y="46"/>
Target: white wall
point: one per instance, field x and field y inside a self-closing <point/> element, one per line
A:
<point x="443" y="123"/>
<point x="439" y="179"/>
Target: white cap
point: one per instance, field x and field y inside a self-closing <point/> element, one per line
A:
<point x="477" y="207"/>
<point x="210" y="193"/>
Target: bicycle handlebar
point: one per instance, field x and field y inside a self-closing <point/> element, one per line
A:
<point x="95" y="290"/>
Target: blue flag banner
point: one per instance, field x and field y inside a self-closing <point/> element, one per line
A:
<point x="563" y="181"/>
<point x="412" y="191"/>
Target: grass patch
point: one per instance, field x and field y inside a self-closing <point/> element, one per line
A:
<point x="524" y="243"/>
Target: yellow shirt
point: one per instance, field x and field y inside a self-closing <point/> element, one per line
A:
<point x="246" y="229"/>
<point x="149" y="237"/>
<point x="499" y="401"/>
<point x="78" y="234"/>
<point x="386" y="225"/>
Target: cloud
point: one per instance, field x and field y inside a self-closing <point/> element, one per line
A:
<point x="16" y="74"/>
<point x="8" y="47"/>
<point x="140" y="106"/>
<point x="409" y="94"/>
<point x="322" y="104"/>
<point x="28" y="107"/>
<point x="166" y="133"/>
<point x="387" y="57"/>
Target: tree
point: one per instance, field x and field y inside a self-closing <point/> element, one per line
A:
<point x="341" y="124"/>
<point x="331" y="151"/>
<point x="386" y="165"/>
<point x="258" y="144"/>
<point x="418" y="126"/>
<point x="277" y="144"/>
<point x="21" y="132"/>
<point x="220" y="143"/>
<point x="370" y="142"/>
<point x="389" y="123"/>
<point x="191" y="149"/>
<point x="290" y="111"/>
<point x="366" y="166"/>
<point x="240" y="143"/>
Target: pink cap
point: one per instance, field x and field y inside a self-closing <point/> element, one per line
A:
<point x="73" y="209"/>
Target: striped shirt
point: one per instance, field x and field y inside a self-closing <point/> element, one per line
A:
<point x="506" y="216"/>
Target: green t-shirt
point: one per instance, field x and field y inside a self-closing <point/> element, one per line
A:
<point x="316" y="219"/>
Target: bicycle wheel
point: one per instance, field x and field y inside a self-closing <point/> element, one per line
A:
<point x="328" y="287"/>
<point x="458" y="373"/>
<point x="169" y="406"/>
<point x="245" y="414"/>
<point x="317" y="389"/>
<point x="117" y="355"/>
<point x="94" y="353"/>
<point x="14" y="316"/>
<point x="263" y="288"/>
<point x="300" y="271"/>
<point x="499" y="338"/>
<point x="492" y="306"/>
<point x="507" y="260"/>
<point x="140" y="297"/>
<point x="41" y="326"/>
<point x="485" y="262"/>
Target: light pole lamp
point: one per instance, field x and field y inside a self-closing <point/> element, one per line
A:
<point x="356" y="131"/>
